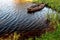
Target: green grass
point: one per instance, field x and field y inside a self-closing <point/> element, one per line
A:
<point x="56" y="34"/>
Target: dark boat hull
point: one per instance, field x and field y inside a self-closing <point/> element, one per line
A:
<point x="35" y="8"/>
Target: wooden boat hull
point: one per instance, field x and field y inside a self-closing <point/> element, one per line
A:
<point x="36" y="8"/>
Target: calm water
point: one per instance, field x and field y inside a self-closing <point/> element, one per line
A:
<point x="14" y="17"/>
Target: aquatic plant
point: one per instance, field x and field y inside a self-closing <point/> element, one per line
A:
<point x="14" y="36"/>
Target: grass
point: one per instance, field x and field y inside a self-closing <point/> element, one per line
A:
<point x="56" y="34"/>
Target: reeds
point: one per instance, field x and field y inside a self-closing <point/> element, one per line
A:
<point x="14" y="36"/>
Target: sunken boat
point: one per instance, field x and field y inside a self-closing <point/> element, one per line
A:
<point x="36" y="7"/>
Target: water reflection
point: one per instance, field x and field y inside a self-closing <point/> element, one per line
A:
<point x="14" y="17"/>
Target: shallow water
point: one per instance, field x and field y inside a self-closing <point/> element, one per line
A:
<point x="14" y="17"/>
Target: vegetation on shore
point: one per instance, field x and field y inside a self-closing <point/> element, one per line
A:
<point x="55" y="22"/>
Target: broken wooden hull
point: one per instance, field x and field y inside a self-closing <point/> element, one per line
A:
<point x="36" y="8"/>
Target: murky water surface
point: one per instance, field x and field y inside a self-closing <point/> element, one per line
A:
<point x="14" y="17"/>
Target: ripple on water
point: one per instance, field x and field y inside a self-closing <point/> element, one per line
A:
<point x="14" y="17"/>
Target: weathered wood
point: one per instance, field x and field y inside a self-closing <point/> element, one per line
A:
<point x="36" y="7"/>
